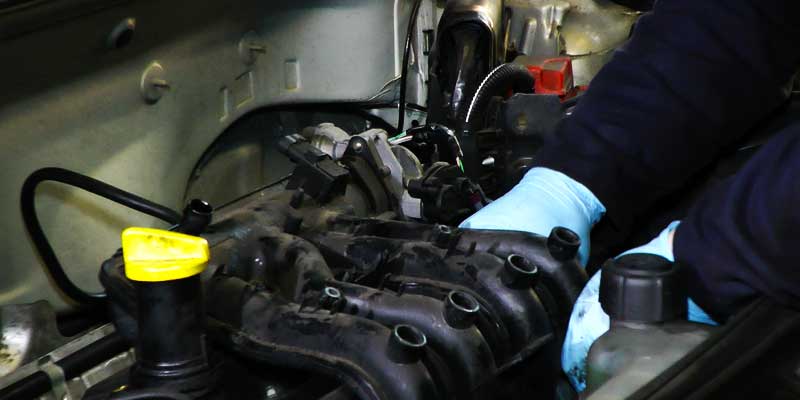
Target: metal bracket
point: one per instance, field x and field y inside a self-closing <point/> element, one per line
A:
<point x="58" y="382"/>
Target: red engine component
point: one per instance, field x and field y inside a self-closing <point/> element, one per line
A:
<point x="554" y="76"/>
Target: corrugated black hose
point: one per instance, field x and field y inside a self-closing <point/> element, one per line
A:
<point x="505" y="78"/>
<point x="91" y="185"/>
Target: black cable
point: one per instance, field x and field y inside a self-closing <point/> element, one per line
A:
<point x="412" y="23"/>
<point x="417" y="107"/>
<point x="39" y="239"/>
<point x="73" y="365"/>
<point x="149" y="394"/>
<point x="92" y="355"/>
<point x="29" y="387"/>
<point x="260" y="188"/>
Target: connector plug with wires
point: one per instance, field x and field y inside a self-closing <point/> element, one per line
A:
<point x="448" y="197"/>
<point x="432" y="143"/>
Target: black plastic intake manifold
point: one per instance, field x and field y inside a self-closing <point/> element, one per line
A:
<point x="388" y="309"/>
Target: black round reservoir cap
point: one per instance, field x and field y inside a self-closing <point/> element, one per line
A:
<point x="643" y="288"/>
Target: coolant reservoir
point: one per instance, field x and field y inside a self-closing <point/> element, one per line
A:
<point x="645" y="297"/>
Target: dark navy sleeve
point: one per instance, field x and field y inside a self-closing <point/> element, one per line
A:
<point x="741" y="238"/>
<point x="695" y="76"/>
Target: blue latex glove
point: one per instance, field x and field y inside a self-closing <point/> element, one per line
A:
<point x="588" y="320"/>
<point x="543" y="200"/>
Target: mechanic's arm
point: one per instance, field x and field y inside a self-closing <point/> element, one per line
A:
<point x="739" y="239"/>
<point x="694" y="77"/>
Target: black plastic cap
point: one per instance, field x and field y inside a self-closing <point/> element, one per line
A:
<point x="461" y="309"/>
<point x="442" y="235"/>
<point x="196" y="217"/>
<point x="563" y="243"/>
<point x="643" y="288"/>
<point x="331" y="298"/>
<point x="406" y="344"/>
<point x="519" y="273"/>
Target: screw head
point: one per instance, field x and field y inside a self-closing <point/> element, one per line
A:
<point x="153" y="83"/>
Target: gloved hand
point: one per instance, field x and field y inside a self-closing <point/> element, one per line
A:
<point x="543" y="200"/>
<point x="588" y="320"/>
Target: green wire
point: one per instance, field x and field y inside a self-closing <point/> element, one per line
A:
<point x="400" y="136"/>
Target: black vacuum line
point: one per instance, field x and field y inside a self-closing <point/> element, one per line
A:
<point x="91" y="185"/>
<point x="506" y="77"/>
<point x="412" y="23"/>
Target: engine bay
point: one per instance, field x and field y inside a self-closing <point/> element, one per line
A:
<point x="320" y="211"/>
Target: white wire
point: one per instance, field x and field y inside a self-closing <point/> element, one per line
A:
<point x="385" y="89"/>
<point x="475" y="96"/>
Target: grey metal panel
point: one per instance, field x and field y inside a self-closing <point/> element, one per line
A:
<point x="587" y="30"/>
<point x="67" y="100"/>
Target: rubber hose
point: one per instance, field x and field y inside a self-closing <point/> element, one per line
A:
<point x="102" y="189"/>
<point x="506" y="77"/>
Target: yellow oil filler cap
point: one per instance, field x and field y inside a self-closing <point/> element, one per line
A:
<point x="155" y="255"/>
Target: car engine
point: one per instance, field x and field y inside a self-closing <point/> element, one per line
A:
<point x="328" y="273"/>
<point x="316" y="253"/>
